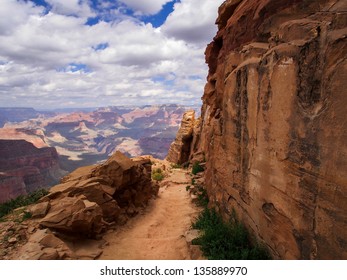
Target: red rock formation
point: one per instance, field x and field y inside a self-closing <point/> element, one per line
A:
<point x="11" y="187"/>
<point x="25" y="168"/>
<point x="179" y="151"/>
<point x="93" y="195"/>
<point x="274" y="124"/>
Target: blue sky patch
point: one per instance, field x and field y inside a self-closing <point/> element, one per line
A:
<point x="158" y="19"/>
<point x="75" y="67"/>
<point x="195" y="77"/>
<point x="39" y="3"/>
<point x="162" y="80"/>
<point x="92" y="21"/>
<point x="101" y="46"/>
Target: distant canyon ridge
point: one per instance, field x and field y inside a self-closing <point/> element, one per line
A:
<point x="60" y="141"/>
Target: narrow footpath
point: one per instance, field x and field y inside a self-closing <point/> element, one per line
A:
<point x="158" y="233"/>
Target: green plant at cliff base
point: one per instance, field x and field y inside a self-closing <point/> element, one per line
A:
<point x="225" y="241"/>
<point x="23" y="200"/>
<point x="197" y="168"/>
<point x="202" y="197"/>
<point x="157" y="174"/>
<point x="26" y="216"/>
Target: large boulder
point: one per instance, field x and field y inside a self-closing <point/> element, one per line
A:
<point x="74" y="215"/>
<point x="91" y="197"/>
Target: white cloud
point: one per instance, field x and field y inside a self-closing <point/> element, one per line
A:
<point x="71" y="7"/>
<point x="147" y="7"/>
<point x="55" y="60"/>
<point x="193" y="20"/>
<point x="13" y="14"/>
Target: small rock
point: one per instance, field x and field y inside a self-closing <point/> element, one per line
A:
<point x="86" y="254"/>
<point x="10" y="226"/>
<point x="12" y="240"/>
<point x="198" y="176"/>
<point x="49" y="254"/>
<point x="192" y="234"/>
<point x="196" y="253"/>
<point x="3" y="252"/>
<point x="39" y="210"/>
<point x="23" y="227"/>
<point x="31" y="229"/>
<point x="194" y="198"/>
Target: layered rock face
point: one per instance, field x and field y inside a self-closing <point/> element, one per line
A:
<point x="25" y="168"/>
<point x="91" y="196"/>
<point x="274" y="124"/>
<point x="180" y="149"/>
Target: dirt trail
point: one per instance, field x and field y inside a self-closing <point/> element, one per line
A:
<point x="159" y="232"/>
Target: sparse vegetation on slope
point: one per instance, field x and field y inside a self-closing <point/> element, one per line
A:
<point x="23" y="200"/>
<point x="200" y="192"/>
<point x="225" y="241"/>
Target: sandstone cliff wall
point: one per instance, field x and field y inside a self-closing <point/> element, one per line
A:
<point x="25" y="168"/>
<point x="180" y="149"/>
<point x="274" y="124"/>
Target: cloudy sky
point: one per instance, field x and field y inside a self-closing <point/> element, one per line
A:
<point x="90" y="53"/>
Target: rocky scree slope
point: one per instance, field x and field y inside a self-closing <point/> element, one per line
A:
<point x="273" y="126"/>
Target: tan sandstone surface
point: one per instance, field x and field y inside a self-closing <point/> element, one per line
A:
<point x="274" y="123"/>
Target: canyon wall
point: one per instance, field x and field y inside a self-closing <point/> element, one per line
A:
<point x="274" y="124"/>
<point x="25" y="168"/>
<point x="180" y="148"/>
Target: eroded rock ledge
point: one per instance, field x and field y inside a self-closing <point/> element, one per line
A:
<point x="68" y="221"/>
<point x="274" y="124"/>
<point x="180" y="149"/>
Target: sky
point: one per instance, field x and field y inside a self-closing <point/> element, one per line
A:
<point x="94" y="53"/>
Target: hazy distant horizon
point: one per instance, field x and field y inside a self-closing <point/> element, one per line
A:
<point x="98" y="107"/>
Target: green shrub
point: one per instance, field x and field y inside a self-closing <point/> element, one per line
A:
<point x="176" y="165"/>
<point x="157" y="176"/>
<point x="202" y="197"/>
<point x="197" y="168"/>
<point x="26" y="216"/>
<point x="225" y="241"/>
<point x="187" y="188"/>
<point x="23" y="200"/>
